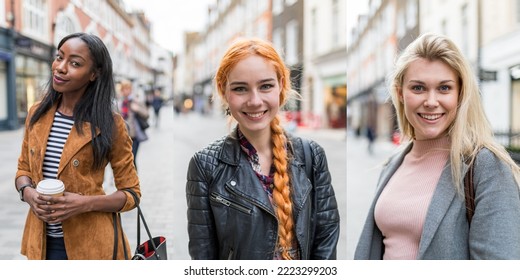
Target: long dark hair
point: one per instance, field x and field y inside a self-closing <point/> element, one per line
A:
<point x="96" y="104"/>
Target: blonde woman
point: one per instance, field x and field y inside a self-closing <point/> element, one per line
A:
<point x="248" y="194"/>
<point x="419" y="210"/>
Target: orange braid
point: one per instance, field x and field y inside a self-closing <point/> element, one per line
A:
<point x="282" y="192"/>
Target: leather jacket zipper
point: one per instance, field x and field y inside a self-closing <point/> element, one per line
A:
<point x="261" y="207"/>
<point x="218" y="198"/>
<point x="252" y="202"/>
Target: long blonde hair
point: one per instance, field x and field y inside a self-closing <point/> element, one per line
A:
<point x="471" y="130"/>
<point x="238" y="51"/>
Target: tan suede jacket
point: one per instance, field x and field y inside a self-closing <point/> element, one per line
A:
<point x="88" y="236"/>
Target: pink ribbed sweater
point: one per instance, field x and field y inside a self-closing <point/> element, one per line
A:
<point x="401" y="208"/>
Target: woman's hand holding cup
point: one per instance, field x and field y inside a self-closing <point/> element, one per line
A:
<point x="49" y="191"/>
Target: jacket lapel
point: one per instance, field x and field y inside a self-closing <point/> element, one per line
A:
<point x="442" y="198"/>
<point x="390" y="169"/>
<point x="242" y="182"/>
<point x="74" y="143"/>
<point x="42" y="127"/>
<point x="298" y="174"/>
<point x="249" y="187"/>
<point x="40" y="135"/>
<point x="301" y="193"/>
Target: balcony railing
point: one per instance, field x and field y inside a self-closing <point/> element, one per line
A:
<point x="510" y="140"/>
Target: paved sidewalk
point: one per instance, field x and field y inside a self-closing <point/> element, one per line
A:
<point x="362" y="174"/>
<point x="323" y="133"/>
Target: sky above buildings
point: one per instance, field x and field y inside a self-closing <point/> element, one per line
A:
<point x="171" y="18"/>
<point x="354" y="8"/>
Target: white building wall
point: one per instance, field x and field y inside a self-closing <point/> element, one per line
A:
<point x="323" y="25"/>
<point x="67" y="21"/>
<point x="308" y="70"/>
<point x="179" y="76"/>
<point x="3" y="15"/>
<point x="498" y="19"/>
<point x="453" y="20"/>
<point x="500" y="52"/>
<point x="319" y="41"/>
<point x="495" y="98"/>
<point x="500" y="55"/>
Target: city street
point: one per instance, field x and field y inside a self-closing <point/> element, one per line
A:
<point x="12" y="210"/>
<point x="362" y="174"/>
<point x="162" y="164"/>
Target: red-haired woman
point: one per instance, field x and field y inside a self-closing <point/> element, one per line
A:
<point x="248" y="194"/>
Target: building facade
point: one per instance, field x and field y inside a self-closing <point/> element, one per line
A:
<point x="379" y="36"/>
<point x="288" y="39"/>
<point x="325" y="67"/>
<point x="500" y="68"/>
<point x="487" y="33"/>
<point x="30" y="30"/>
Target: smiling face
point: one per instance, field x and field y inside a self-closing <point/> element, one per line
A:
<point x="430" y="94"/>
<point x="72" y="67"/>
<point x="253" y="94"/>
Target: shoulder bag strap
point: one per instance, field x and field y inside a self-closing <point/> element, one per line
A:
<point x="469" y="193"/>
<point x="116" y="217"/>
<point x="307" y="154"/>
<point x="114" y="221"/>
<point x="140" y="217"/>
<point x="137" y="202"/>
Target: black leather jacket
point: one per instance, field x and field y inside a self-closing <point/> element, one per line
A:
<point x="230" y="215"/>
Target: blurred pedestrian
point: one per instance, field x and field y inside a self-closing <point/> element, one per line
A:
<point x="358" y="131"/>
<point x="157" y="104"/>
<point x="248" y="194"/>
<point x="136" y="116"/>
<point x="396" y="138"/>
<point x="177" y="106"/>
<point x="419" y="211"/>
<point x="72" y="135"/>
<point x="371" y="137"/>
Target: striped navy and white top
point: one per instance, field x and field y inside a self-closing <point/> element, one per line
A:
<point x="60" y="130"/>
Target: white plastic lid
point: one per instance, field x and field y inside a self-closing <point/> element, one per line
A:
<point x="50" y="186"/>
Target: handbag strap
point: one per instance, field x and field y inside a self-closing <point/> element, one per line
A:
<point x="469" y="193"/>
<point x="137" y="202"/>
<point x="307" y="154"/>
<point x="115" y="218"/>
<point x="140" y="217"/>
<point x="114" y="221"/>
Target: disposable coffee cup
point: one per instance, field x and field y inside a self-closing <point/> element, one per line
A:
<point x="52" y="187"/>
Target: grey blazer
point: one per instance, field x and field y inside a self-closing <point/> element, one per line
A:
<point x="495" y="227"/>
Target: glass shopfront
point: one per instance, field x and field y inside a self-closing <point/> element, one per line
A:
<point x="33" y="71"/>
<point x="32" y="76"/>
<point x="3" y="91"/>
<point x="336" y="102"/>
<point x="514" y="139"/>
